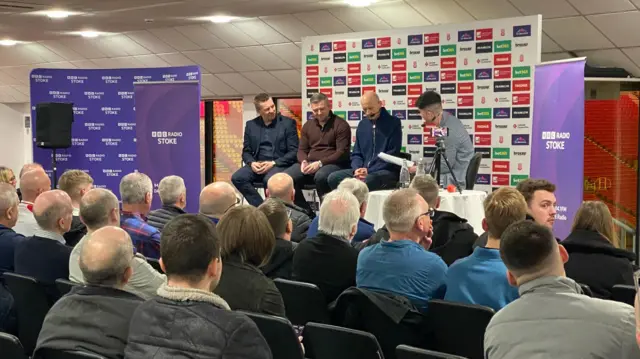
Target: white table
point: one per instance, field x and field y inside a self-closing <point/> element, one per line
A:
<point x="466" y="205"/>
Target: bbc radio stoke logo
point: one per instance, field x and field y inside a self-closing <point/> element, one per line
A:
<point x="112" y="111"/>
<point x="111" y="79"/>
<point x="166" y="137"/>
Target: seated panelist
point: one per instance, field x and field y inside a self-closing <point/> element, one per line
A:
<point x="270" y="146"/>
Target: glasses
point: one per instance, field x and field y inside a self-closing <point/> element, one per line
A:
<point x="429" y="213"/>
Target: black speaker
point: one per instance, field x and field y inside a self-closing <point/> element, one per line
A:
<point x="53" y="124"/>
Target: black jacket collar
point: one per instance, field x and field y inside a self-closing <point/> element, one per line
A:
<point x="585" y="241"/>
<point x="447" y="216"/>
<point x="173" y="209"/>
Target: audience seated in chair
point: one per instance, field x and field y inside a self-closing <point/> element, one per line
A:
<point x="27" y="168"/>
<point x="95" y="318"/>
<point x="328" y="260"/>
<point x="173" y="195"/>
<point x="280" y="186"/>
<point x="481" y="278"/>
<point x="216" y="199"/>
<point x="76" y="183"/>
<point x="33" y="182"/>
<point x="98" y="209"/>
<point x="247" y="241"/>
<point x="186" y="319"/>
<point x="9" y="239"/>
<point x="136" y="193"/>
<point x="551" y="316"/>
<point x="281" y="263"/>
<point x="403" y="265"/>
<point x="360" y="190"/>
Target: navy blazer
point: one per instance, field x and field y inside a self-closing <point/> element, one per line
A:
<point x="285" y="148"/>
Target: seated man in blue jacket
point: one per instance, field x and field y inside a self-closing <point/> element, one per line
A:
<point x="270" y="146"/>
<point x="379" y="132"/>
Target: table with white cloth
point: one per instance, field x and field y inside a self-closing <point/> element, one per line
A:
<point x="467" y="205"/>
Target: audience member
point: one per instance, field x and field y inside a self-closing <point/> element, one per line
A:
<point x="186" y="320"/>
<point x="26" y="168"/>
<point x="280" y="186"/>
<point x="247" y="242"/>
<point x="76" y="183"/>
<point x="173" y="195"/>
<point x="7" y="176"/>
<point x="32" y="184"/>
<point x="360" y="190"/>
<point x="216" y="199"/>
<point x="552" y="319"/>
<point x="482" y="277"/>
<point x="595" y="258"/>
<point x="281" y="262"/>
<point x="403" y="265"/>
<point x="8" y="242"/>
<point x="99" y="209"/>
<point x="45" y="256"/>
<point x="328" y="260"/>
<point x="95" y="318"/>
<point x="136" y="193"/>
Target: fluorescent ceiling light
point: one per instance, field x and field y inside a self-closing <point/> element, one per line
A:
<point x="7" y="42"/>
<point x="220" y="19"/>
<point x="358" y="3"/>
<point x="56" y="13"/>
<point x="89" y="34"/>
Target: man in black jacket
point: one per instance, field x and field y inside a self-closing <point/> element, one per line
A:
<point x="281" y="261"/>
<point x="281" y="187"/>
<point x="95" y="318"/>
<point x="76" y="183"/>
<point x="173" y="195"/>
<point x="8" y="241"/>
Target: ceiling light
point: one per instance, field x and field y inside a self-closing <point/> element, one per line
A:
<point x="58" y="14"/>
<point x="7" y="42"/>
<point x="219" y="19"/>
<point x="89" y="34"/>
<point x="358" y="3"/>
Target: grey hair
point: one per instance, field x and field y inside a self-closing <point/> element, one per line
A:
<point x="8" y="196"/>
<point x="170" y="188"/>
<point x="96" y="206"/>
<point x="339" y="213"/>
<point x="134" y="187"/>
<point x="357" y="187"/>
<point x="400" y="210"/>
<point x="427" y="187"/>
<point x="48" y="218"/>
<point x="318" y="97"/>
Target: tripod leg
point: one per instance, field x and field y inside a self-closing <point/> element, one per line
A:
<point x="455" y="180"/>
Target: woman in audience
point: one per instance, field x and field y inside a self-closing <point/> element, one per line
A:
<point x="7" y="176"/>
<point x="247" y="243"/>
<point x="594" y="256"/>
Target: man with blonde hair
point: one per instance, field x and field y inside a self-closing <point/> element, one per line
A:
<point x="173" y="194"/>
<point x="481" y="278"/>
<point x="76" y="183"/>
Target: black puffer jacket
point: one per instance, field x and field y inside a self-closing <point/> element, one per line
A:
<point x="77" y="231"/>
<point x="301" y="221"/>
<point x="160" y="217"/>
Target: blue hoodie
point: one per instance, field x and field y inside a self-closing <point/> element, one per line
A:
<point x="387" y="139"/>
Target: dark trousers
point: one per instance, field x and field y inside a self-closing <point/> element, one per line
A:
<point x="383" y="179"/>
<point x="244" y="178"/>
<point x="320" y="178"/>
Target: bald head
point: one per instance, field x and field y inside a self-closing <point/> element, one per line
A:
<point x="8" y="205"/>
<point x="53" y="211"/>
<point x="371" y="105"/>
<point x="30" y="167"/>
<point x="217" y="198"/>
<point x="280" y="186"/>
<point x="106" y="257"/>
<point x="33" y="183"/>
<point x="98" y="208"/>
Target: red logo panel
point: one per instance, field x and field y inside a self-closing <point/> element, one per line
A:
<point x="501" y="59"/>
<point x="399" y="78"/>
<point x="482" y="126"/>
<point x="312" y="82"/>
<point x="500" y="166"/>
<point x="411" y="102"/>
<point x="353" y="80"/>
<point x="521" y="99"/>
<point x="521" y="85"/>
<point x="327" y="91"/>
<point x="340" y="46"/>
<point x="484" y="34"/>
<point x="368" y="89"/>
<point x="354" y="68"/>
<point x="313" y="70"/>
<point x="465" y="101"/>
<point x="465" y="87"/>
<point x="383" y="42"/>
<point x="446" y="76"/>
<point x="502" y="73"/>
<point x="500" y="180"/>
<point x="432" y="39"/>
<point x="482" y="139"/>
<point x="414" y="90"/>
<point x="399" y="65"/>
<point x="448" y="63"/>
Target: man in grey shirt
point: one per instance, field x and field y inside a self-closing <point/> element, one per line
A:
<point x="459" y="149"/>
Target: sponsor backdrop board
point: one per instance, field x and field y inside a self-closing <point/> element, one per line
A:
<point x="483" y="70"/>
<point x="104" y="139"/>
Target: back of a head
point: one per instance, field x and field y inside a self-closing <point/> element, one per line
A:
<point x="276" y="213"/>
<point x="429" y="100"/>
<point x="30" y="167"/>
<point x="96" y="207"/>
<point x="245" y="232"/>
<point x="34" y="182"/>
<point x="8" y="199"/>
<point x="105" y="257"/>
<point x="188" y="244"/>
<point x="50" y="207"/>
<point x="427" y="187"/>
<point x="170" y="189"/>
<point x="595" y="216"/>
<point x="339" y="214"/>
<point x="280" y="186"/>
<point x="73" y="182"/>
<point x="216" y="198"/>
<point x="134" y="188"/>
<point x="529" y="186"/>
<point x="356" y="187"/>
<point x="502" y="208"/>
<point x="528" y="249"/>
<point x="401" y="209"/>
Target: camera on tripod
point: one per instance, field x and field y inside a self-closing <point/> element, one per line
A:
<point x="439" y="132"/>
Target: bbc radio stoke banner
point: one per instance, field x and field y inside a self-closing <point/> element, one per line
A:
<point x="104" y="128"/>
<point x="557" y="147"/>
<point x="481" y="69"/>
<point x="168" y="121"/>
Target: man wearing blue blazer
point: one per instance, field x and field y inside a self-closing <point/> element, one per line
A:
<point x="270" y="146"/>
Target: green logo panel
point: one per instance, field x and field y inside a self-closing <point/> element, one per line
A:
<point x="502" y="46"/>
<point x="448" y="50"/>
<point x="521" y="71"/>
<point x="399" y="54"/>
<point x="354" y="57"/>
<point x="515" y="179"/>
<point x="482" y="113"/>
<point x="312" y="59"/>
<point x="501" y="153"/>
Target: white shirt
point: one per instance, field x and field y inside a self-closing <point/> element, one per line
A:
<point x="43" y="233"/>
<point x="26" y="225"/>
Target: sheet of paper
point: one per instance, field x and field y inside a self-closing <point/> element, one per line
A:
<point x="393" y="159"/>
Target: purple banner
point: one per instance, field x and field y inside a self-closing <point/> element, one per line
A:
<point x="104" y="130"/>
<point x="168" y="133"/>
<point x="557" y="148"/>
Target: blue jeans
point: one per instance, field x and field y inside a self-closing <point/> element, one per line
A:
<point x="244" y="178"/>
<point x="383" y="179"/>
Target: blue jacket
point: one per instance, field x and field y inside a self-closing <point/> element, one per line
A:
<point x="387" y="139"/>
<point x="8" y="241"/>
<point x="365" y="230"/>
<point x="285" y="148"/>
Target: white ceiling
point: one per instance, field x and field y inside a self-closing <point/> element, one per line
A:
<point x="262" y="51"/>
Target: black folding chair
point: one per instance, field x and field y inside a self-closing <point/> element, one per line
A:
<point x="586" y="290"/>
<point x="624" y="293"/>
<point x="303" y="302"/>
<point x="64" y="286"/>
<point x="458" y="328"/>
<point x="472" y="171"/>
<point x="279" y="334"/>
<point x="407" y="352"/>
<point x="10" y="347"/>
<point x="155" y="264"/>
<point x="32" y="305"/>
<point x="331" y="342"/>
<point x="47" y="353"/>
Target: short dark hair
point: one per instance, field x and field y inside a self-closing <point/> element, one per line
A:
<point x="529" y="186"/>
<point x="525" y="247"/>
<point x="245" y="232"/>
<point x="188" y="244"/>
<point x="260" y="98"/>
<point x="427" y="99"/>
<point x="277" y="215"/>
<point x="318" y="97"/>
